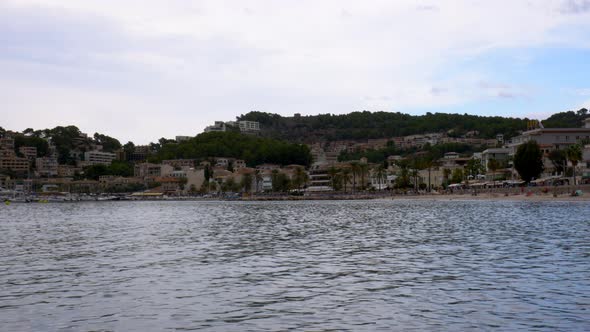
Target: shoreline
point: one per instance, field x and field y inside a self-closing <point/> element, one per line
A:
<point x="523" y="197"/>
<point x="498" y="197"/>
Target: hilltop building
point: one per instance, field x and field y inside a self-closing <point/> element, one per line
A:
<point x="219" y="126"/>
<point x="249" y="126"/>
<point x="98" y="158"/>
<point x="246" y="127"/>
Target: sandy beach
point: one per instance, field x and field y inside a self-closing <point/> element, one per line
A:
<point x="498" y="197"/>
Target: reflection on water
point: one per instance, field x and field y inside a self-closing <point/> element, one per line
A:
<point x="362" y="265"/>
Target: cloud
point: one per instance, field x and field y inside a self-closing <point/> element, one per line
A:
<point x="582" y="92"/>
<point x="427" y="8"/>
<point x="575" y="7"/>
<point x="188" y="63"/>
<point x="438" y="90"/>
<point x="506" y="94"/>
<point x="503" y="90"/>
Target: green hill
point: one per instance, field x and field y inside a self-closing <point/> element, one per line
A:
<point x="368" y="125"/>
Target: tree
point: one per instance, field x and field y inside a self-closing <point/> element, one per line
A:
<point x="380" y="174"/>
<point x="109" y="144"/>
<point x="568" y="119"/>
<point x="558" y="158"/>
<point x="213" y="186"/>
<point x="355" y="169"/>
<point x="280" y="181"/>
<point x="300" y="177"/>
<point x="363" y="125"/>
<point x="207" y="172"/>
<point x="253" y="149"/>
<point x="39" y="143"/>
<point x="446" y="176"/>
<point x="129" y="148"/>
<point x="246" y="183"/>
<point x="474" y="167"/>
<point x="429" y="163"/>
<point x="192" y="189"/>
<point x="528" y="161"/>
<point x="230" y="185"/>
<point x="333" y="173"/>
<point x="457" y="176"/>
<point x="345" y="175"/>
<point x="574" y="155"/>
<point x="363" y="169"/>
<point x="403" y="179"/>
<point x="258" y="179"/>
<point x="493" y="165"/>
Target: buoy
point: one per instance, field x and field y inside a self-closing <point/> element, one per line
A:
<point x="7" y="202"/>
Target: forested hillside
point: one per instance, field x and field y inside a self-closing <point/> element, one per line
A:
<point x="569" y="119"/>
<point x="254" y="150"/>
<point x="367" y="125"/>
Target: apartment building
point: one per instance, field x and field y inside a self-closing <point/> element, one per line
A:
<point x="7" y="143"/>
<point x="14" y="163"/>
<point x="46" y="166"/>
<point x="30" y="152"/>
<point x="218" y="126"/>
<point x="147" y="170"/>
<point x="99" y="158"/>
<point x="499" y="154"/>
<point x="249" y="126"/>
<point x="179" y="163"/>
<point x="554" y="138"/>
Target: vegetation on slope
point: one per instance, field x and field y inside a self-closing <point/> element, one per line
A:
<point x="568" y="119"/>
<point x="368" y="125"/>
<point x="254" y="150"/>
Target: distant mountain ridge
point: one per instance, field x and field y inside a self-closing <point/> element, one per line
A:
<point x="372" y="125"/>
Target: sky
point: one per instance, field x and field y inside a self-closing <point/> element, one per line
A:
<point x="139" y="70"/>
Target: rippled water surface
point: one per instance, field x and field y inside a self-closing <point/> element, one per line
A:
<point x="239" y="266"/>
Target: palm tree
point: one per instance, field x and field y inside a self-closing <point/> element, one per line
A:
<point x="416" y="162"/>
<point x="275" y="180"/>
<point x="257" y="179"/>
<point x="574" y="155"/>
<point x="493" y="166"/>
<point x="446" y="175"/>
<point x="380" y="174"/>
<point x="363" y="169"/>
<point x="300" y="177"/>
<point x="333" y="172"/>
<point x="355" y="168"/>
<point x="346" y="176"/>
<point x="246" y="183"/>
<point x="428" y="164"/>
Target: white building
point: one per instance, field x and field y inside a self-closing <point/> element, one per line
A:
<point x="249" y="126"/>
<point x="499" y="154"/>
<point x="219" y="126"/>
<point x="98" y="158"/>
<point x="551" y="138"/>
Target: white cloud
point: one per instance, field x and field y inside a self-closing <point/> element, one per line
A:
<point x="582" y="92"/>
<point x="190" y="62"/>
